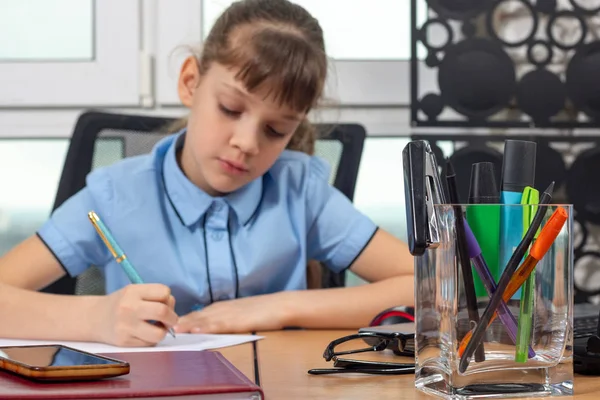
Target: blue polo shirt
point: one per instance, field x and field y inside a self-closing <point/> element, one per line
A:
<point x="253" y="241"/>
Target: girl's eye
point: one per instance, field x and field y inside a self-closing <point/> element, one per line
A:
<point x="234" y="113"/>
<point x="228" y="112"/>
<point x="274" y="133"/>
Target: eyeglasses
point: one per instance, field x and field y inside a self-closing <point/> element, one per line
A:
<point x="377" y="342"/>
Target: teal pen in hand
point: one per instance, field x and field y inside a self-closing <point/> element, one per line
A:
<point x="117" y="252"/>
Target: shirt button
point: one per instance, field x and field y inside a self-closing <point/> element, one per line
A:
<point x="217" y="235"/>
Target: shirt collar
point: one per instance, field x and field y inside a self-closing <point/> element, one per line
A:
<point x="191" y="203"/>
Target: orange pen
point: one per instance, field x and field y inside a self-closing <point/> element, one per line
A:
<point x="539" y="248"/>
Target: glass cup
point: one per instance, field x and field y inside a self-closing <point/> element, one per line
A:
<point x="526" y="351"/>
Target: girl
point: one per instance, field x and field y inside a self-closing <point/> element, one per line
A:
<point x="220" y="217"/>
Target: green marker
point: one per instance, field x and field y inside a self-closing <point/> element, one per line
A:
<point x="530" y="197"/>
<point x="483" y="216"/>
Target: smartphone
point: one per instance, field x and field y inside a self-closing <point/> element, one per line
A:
<point x="59" y="363"/>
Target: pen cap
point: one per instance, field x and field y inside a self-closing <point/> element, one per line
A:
<point x="549" y="233"/>
<point x="518" y="165"/>
<point x="483" y="187"/>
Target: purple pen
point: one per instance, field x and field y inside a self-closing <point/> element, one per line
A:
<point x="484" y="273"/>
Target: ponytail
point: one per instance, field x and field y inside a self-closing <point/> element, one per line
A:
<point x="175" y="126"/>
<point x="304" y="138"/>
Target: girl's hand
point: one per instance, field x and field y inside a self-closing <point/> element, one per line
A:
<point x="123" y="318"/>
<point x="256" y="313"/>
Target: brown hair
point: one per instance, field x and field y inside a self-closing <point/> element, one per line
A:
<point x="275" y="44"/>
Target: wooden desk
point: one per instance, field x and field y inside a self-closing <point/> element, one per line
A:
<point x="286" y="356"/>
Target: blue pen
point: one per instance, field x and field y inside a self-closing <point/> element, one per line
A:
<point x="117" y="252"/>
<point x="518" y="172"/>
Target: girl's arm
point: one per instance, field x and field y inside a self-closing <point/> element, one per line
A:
<point x="385" y="262"/>
<point x="119" y="318"/>
<point x="27" y="314"/>
<point x="30" y="265"/>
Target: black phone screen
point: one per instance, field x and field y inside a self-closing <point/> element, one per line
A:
<point x="51" y="356"/>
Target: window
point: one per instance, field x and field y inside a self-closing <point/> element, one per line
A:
<point x="67" y="25"/>
<point x="25" y="207"/>
<point x="69" y="53"/>
<point x="380" y="186"/>
<point x="370" y="45"/>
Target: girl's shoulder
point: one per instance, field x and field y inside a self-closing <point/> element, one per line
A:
<point x="132" y="167"/>
<point x="140" y="171"/>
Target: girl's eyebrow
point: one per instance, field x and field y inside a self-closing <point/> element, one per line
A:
<point x="291" y="117"/>
<point x="235" y="89"/>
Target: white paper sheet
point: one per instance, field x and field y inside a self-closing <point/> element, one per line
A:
<point x="183" y="341"/>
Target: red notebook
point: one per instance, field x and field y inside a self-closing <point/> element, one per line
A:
<point x="153" y="375"/>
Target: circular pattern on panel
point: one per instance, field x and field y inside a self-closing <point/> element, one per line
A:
<point x="584" y="9"/>
<point x="476" y="78"/>
<point x="468" y="29"/>
<point x="539" y="53"/>
<point x="583" y="185"/>
<point x="583" y="79"/>
<point x="491" y="24"/>
<point x="580" y="235"/>
<point x="554" y="29"/>
<point x="541" y="94"/>
<point x="432" y="105"/>
<point x="545" y="6"/>
<point x="431" y="24"/>
<point x="545" y="68"/>
<point x="587" y="273"/>
<point x="549" y="166"/>
<point x="458" y="9"/>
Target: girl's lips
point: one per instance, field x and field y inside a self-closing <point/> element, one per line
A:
<point x="233" y="167"/>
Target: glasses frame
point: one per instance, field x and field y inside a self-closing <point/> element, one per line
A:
<point x="396" y="341"/>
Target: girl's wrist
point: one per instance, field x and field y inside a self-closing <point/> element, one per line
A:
<point x="95" y="323"/>
<point x="289" y="308"/>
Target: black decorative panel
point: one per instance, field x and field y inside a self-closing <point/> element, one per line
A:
<point x="506" y="63"/>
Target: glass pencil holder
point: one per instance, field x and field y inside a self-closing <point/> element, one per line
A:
<point x="525" y="345"/>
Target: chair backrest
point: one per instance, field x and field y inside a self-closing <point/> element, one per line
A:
<point x="100" y="139"/>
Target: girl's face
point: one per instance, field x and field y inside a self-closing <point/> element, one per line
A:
<point x="233" y="136"/>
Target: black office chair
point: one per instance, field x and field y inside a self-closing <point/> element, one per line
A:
<point x="100" y="139"/>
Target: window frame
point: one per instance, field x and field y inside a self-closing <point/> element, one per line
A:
<point x="111" y="78"/>
<point x="368" y="83"/>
